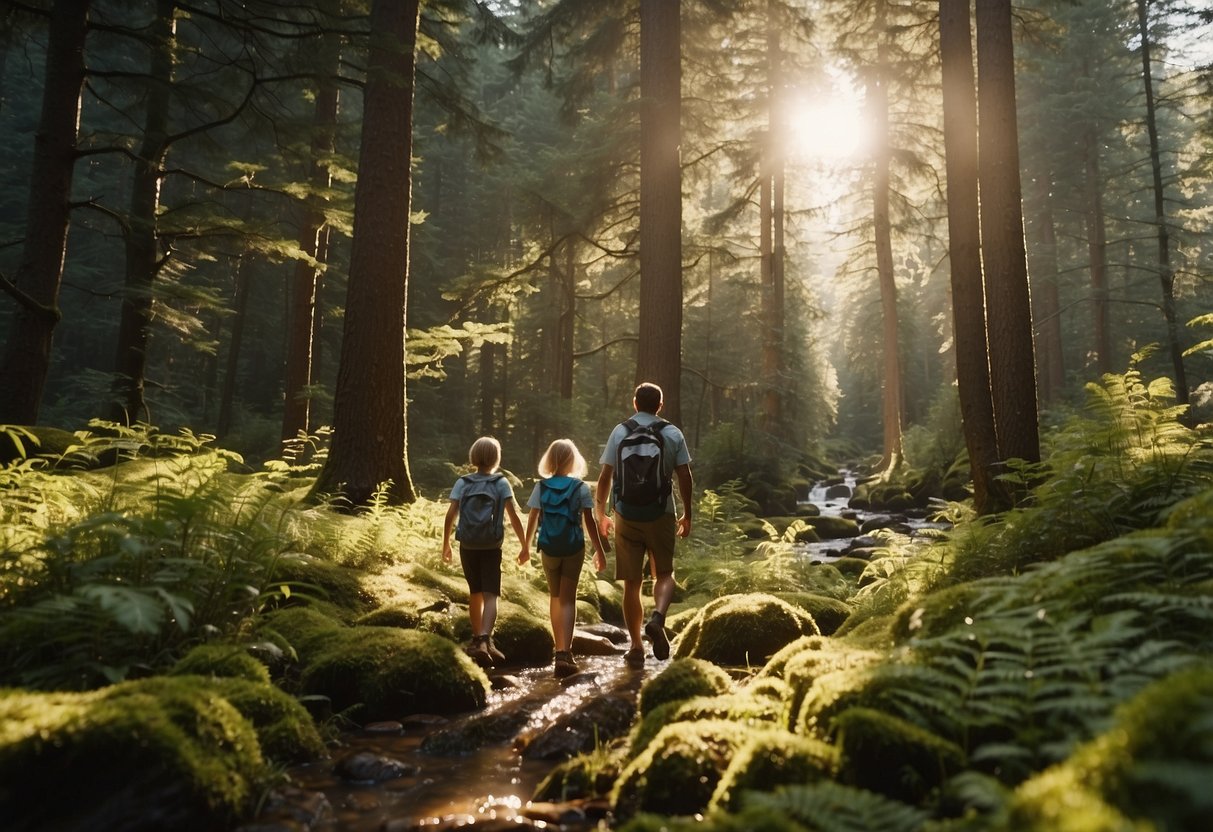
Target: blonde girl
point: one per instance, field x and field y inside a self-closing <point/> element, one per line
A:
<point x="480" y="556"/>
<point x="562" y="509"/>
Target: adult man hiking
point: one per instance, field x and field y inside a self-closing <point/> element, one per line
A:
<point x="643" y="457"/>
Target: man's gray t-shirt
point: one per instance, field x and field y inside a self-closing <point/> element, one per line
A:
<point x="674" y="451"/>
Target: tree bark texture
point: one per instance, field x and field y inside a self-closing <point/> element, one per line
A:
<point x="659" y="353"/>
<point x="772" y="246"/>
<point x="891" y="399"/>
<point x="1046" y="304"/>
<point x="1004" y="260"/>
<point x="1166" y="275"/>
<point x="35" y="286"/>
<point x="313" y="241"/>
<point x="1097" y="250"/>
<point x="370" y="440"/>
<point x="964" y="249"/>
<point x="142" y="240"/>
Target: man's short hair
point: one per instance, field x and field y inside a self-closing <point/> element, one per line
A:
<point x="648" y="397"/>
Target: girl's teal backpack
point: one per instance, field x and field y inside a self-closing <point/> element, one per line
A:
<point x="560" y="531"/>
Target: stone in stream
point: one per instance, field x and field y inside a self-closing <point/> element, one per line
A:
<point x="600" y="719"/>
<point x="365" y="767"/>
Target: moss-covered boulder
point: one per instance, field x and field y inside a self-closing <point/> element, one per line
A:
<point x="821" y="673"/>
<point x="301" y="630"/>
<point x="221" y="661"/>
<point x="582" y="776"/>
<point x="389" y="673"/>
<point x="743" y="630"/>
<point x="285" y="729"/>
<point x="746" y="707"/>
<point x="17" y="443"/>
<point x="828" y="613"/>
<point x="1150" y="770"/>
<point x="610" y="601"/>
<point x="679" y="770"/>
<point x="890" y="756"/>
<point x="773" y="758"/>
<point x="683" y="679"/>
<point x="832" y="527"/>
<point x="176" y="755"/>
<point x="339" y="585"/>
<point x="945" y="609"/>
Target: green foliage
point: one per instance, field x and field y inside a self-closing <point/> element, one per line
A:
<point x="831" y="806"/>
<point x="1116" y="469"/>
<point x="221" y="661"/>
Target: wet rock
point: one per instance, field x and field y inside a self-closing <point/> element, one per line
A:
<point x="423" y="721"/>
<point x="484" y="729"/>
<point x="388" y="727"/>
<point x="504" y="681"/>
<point x="838" y="492"/>
<point x="559" y="814"/>
<point x="600" y="719"/>
<point x="290" y="810"/>
<point x="860" y="552"/>
<point x="365" y="767"/>
<point x="589" y="644"/>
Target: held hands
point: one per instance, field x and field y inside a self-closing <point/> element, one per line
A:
<point x="524" y="554"/>
<point x="605" y="526"/>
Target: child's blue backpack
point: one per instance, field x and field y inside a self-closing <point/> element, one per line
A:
<point x="560" y="531"/>
<point x="480" y="512"/>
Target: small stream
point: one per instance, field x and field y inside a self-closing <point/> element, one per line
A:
<point x="436" y="791"/>
<point x="490" y="786"/>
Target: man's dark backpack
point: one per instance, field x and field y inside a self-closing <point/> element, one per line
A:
<point x="560" y="531"/>
<point x="642" y="483"/>
<point x="481" y="523"/>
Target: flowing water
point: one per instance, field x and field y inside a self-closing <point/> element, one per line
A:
<point x="493" y="781"/>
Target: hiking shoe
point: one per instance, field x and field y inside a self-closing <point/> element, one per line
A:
<point x="496" y="655"/>
<point x="563" y="664"/>
<point x="478" y="651"/>
<point x="655" y="630"/>
<point x="634" y="658"/>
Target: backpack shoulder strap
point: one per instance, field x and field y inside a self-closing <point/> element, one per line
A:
<point x="630" y="424"/>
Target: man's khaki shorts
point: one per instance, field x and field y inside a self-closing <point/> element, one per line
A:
<point x="634" y="537"/>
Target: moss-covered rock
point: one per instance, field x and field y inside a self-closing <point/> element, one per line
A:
<point x="743" y="629"/>
<point x="610" y="601"/>
<point x="331" y="582"/>
<point x="586" y="775"/>
<point x="284" y="728"/>
<point x="828" y="613"/>
<point x="837" y="663"/>
<point x="942" y="610"/>
<point x="890" y="756"/>
<point x="221" y="660"/>
<point x="741" y="708"/>
<point x="390" y="673"/>
<point x="302" y="630"/>
<point x="851" y="567"/>
<point x="174" y="755"/>
<point x="682" y="679"/>
<point x="679" y="770"/>
<point x="831" y="527"/>
<point x="773" y="758"/>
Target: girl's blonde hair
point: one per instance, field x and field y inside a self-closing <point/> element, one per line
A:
<point x="563" y="459"/>
<point x="485" y="453"/>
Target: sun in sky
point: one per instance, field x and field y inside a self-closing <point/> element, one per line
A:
<point x="828" y="126"/>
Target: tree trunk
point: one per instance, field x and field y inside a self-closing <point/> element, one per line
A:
<point x="891" y="401"/>
<point x="1004" y="260"/>
<point x="659" y="353"/>
<point x="35" y="286"/>
<point x="1166" y="275"/>
<point x="227" y="398"/>
<point x="1097" y="250"/>
<point x="1045" y="301"/>
<point x="370" y="439"/>
<point x="568" y="320"/>
<point x="964" y="252"/>
<point x="296" y="411"/>
<point x="772" y="249"/>
<point x="142" y="241"/>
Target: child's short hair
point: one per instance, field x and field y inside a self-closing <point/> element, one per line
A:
<point x="485" y="453"/>
<point x="562" y="456"/>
